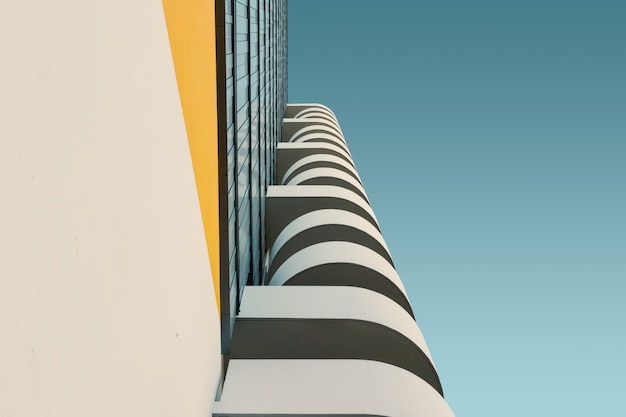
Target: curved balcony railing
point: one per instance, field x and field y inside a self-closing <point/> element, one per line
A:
<point x="329" y="176"/>
<point x="342" y="264"/>
<point x="334" y="318"/>
<point x="322" y="138"/>
<point x="285" y="203"/>
<point x="315" y="128"/>
<point x="331" y="323"/>
<point x="326" y="387"/>
<point x="318" y="160"/>
<point x="323" y="226"/>
<point x="314" y="110"/>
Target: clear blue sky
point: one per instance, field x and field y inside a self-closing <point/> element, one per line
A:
<point x="491" y="139"/>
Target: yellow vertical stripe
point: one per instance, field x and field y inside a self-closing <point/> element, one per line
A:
<point x="191" y="29"/>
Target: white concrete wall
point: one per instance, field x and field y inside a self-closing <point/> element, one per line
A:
<point x="107" y="306"/>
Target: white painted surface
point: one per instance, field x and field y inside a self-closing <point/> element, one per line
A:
<point x="311" y="302"/>
<point x="313" y="114"/>
<point x="316" y="127"/>
<point x="312" y="191"/>
<point x="325" y="217"/>
<point x="316" y="111"/>
<point x="318" y="123"/>
<point x="106" y="299"/>
<point x="317" y="158"/>
<point x="322" y="138"/>
<point x="315" y="148"/>
<point x="335" y="387"/>
<point x="324" y="172"/>
<point x="328" y="253"/>
<point x="312" y="106"/>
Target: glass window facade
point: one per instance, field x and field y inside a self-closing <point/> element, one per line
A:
<point x="254" y="96"/>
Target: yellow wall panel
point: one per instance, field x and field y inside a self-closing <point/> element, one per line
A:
<point x="191" y="29"/>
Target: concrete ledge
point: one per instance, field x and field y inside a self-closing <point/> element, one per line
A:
<point x="342" y="264"/>
<point x="324" y="226"/>
<point x="318" y="161"/>
<point x="322" y="138"/>
<point x="292" y="126"/>
<point x="329" y="176"/>
<point x="292" y="110"/>
<point x="326" y="388"/>
<point x="288" y="154"/>
<point x="284" y="203"/>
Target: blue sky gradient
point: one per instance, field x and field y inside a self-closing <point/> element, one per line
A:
<point x="491" y="139"/>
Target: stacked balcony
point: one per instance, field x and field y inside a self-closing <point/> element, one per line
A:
<point x="332" y="331"/>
